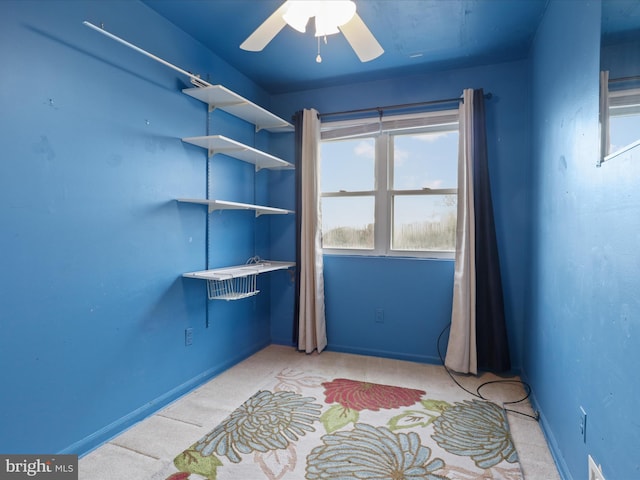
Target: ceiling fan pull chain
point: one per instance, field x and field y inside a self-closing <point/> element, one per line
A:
<point x="319" y="58"/>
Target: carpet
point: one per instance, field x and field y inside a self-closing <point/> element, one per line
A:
<point x="302" y="426"/>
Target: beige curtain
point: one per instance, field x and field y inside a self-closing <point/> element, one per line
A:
<point x="461" y="350"/>
<point x="312" y="333"/>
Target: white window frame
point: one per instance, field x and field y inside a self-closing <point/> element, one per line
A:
<point x="624" y="102"/>
<point x="382" y="130"/>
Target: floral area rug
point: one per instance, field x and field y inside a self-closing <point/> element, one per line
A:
<point x="307" y="427"/>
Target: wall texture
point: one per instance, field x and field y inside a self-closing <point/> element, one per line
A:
<point x="93" y="244"/>
<point x="581" y="342"/>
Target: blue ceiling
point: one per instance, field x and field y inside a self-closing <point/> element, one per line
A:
<point x="620" y="21"/>
<point x="418" y="36"/>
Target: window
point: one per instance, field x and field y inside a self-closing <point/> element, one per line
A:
<point x="390" y="187"/>
<point x="619" y="116"/>
<point x="624" y="119"/>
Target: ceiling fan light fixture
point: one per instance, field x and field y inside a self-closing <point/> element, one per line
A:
<point x="329" y="15"/>
<point x="325" y="27"/>
<point x="341" y="11"/>
<point x="332" y="14"/>
<point x="298" y="14"/>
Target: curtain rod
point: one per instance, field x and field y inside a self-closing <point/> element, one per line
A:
<point x="624" y="79"/>
<point x="379" y="110"/>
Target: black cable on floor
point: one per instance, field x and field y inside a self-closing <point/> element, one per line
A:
<point x="479" y="395"/>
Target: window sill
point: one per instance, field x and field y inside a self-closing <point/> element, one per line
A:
<point x="335" y="252"/>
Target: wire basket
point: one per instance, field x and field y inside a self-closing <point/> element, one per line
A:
<point x="233" y="288"/>
<point x="236" y="282"/>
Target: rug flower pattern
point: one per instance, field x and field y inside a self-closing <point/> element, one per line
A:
<point x="306" y="428"/>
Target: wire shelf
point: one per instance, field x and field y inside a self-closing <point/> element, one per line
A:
<point x="232" y="288"/>
<point x="234" y="283"/>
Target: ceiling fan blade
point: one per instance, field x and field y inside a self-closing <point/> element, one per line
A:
<point x="361" y="39"/>
<point x="266" y="31"/>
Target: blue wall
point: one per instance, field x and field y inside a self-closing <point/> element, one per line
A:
<point x="416" y="294"/>
<point x="581" y="346"/>
<point x="413" y="295"/>
<point x="93" y="245"/>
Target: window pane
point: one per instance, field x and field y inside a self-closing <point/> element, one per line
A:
<point x="425" y="160"/>
<point x="623" y="130"/>
<point x="347" y="165"/>
<point x="347" y="222"/>
<point x="424" y="222"/>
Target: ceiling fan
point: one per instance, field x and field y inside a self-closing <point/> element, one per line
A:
<point x="331" y="16"/>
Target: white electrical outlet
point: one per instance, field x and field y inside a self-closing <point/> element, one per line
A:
<point x="595" y="471"/>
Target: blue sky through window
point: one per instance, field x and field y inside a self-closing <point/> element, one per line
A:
<point x="623" y="130"/>
<point x="421" y="160"/>
<point x="427" y="160"/>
